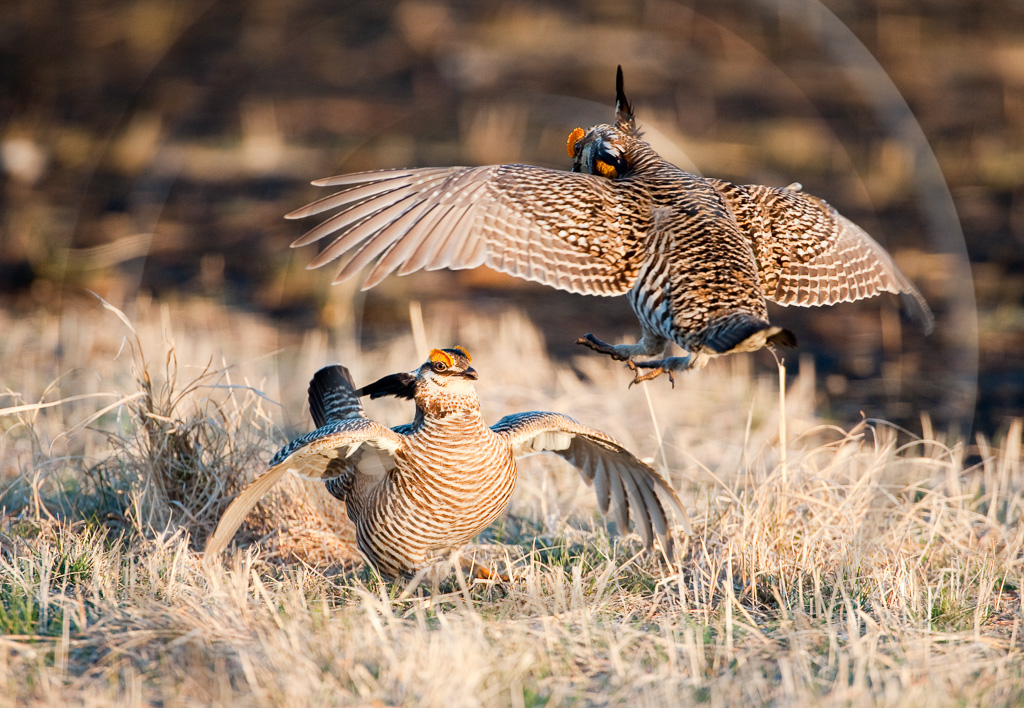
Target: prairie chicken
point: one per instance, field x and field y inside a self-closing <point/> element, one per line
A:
<point x="436" y="482"/>
<point x="696" y="256"/>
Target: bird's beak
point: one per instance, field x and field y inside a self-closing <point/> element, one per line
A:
<point x="470" y="373"/>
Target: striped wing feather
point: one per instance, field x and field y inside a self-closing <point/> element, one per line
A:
<point x="340" y="447"/>
<point x="563" y="229"/>
<point x="809" y="254"/>
<point x="239" y="508"/>
<point x="625" y="486"/>
<point x="312" y="456"/>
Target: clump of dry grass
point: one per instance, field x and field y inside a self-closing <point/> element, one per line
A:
<point x="833" y="566"/>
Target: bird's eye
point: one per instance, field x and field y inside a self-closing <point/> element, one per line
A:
<point x="572" y="145"/>
<point x="440" y="366"/>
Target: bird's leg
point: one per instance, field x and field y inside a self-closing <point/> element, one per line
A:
<point x="654" y="373"/>
<point x="482" y="572"/>
<point x="475" y="570"/>
<point x="612" y="350"/>
<point x="668" y="365"/>
<point x="650" y="344"/>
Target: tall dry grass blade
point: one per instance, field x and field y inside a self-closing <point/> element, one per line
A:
<point x="33" y="407"/>
<point x="783" y="437"/>
<point x="657" y="428"/>
<point x="120" y="315"/>
<point x="235" y="514"/>
<point x="100" y="413"/>
<point x="419" y="331"/>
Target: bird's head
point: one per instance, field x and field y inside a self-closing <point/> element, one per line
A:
<point x="604" y="149"/>
<point x="447" y="371"/>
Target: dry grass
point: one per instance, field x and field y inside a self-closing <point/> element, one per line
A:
<point x="840" y="567"/>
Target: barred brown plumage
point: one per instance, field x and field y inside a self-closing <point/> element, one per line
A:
<point x="697" y="256"/>
<point x="435" y="483"/>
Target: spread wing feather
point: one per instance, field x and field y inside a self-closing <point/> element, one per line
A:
<point x="625" y="486"/>
<point x="564" y="229"/>
<point x="239" y="508"/>
<point x="340" y="447"/>
<point x="809" y="254"/>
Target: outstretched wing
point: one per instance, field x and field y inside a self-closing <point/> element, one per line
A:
<point x="354" y="445"/>
<point x="623" y="483"/>
<point x="239" y="508"/>
<point x="327" y="451"/>
<point x="563" y="229"/>
<point x="809" y="254"/>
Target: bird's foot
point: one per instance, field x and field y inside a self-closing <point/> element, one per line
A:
<point x="656" y="370"/>
<point x="482" y="570"/>
<point x="485" y="574"/>
<point x="612" y="350"/>
<point x="669" y="365"/>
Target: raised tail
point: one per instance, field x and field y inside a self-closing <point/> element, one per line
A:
<point x="333" y="396"/>
<point x="741" y="332"/>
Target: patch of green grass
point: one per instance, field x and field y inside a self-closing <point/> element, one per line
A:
<point x="20" y="612"/>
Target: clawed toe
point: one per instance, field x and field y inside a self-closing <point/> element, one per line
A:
<point x="656" y="370"/>
<point x="486" y="574"/>
<point x="646" y="347"/>
<point x="590" y="341"/>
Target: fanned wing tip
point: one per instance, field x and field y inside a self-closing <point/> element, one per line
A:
<point x="627" y="488"/>
<point x="236" y="512"/>
<point x="918" y="309"/>
<point x="640" y="513"/>
<point x="655" y="505"/>
<point x="351" y="178"/>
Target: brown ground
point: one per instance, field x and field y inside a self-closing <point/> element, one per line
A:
<point x="153" y="147"/>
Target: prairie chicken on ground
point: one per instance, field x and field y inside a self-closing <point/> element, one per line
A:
<point x="696" y="256"/>
<point x="435" y="483"/>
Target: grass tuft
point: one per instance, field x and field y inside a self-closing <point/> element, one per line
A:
<point x="828" y="566"/>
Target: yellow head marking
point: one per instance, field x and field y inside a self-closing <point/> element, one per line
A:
<point x="574" y="137"/>
<point x="464" y="353"/>
<point x="606" y="170"/>
<point x="439" y="355"/>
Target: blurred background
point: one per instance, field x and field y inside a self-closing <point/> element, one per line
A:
<point x="149" y="150"/>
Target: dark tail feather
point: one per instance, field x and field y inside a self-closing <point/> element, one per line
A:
<point x="783" y="338"/>
<point x="730" y="333"/>
<point x="623" y="110"/>
<point x="398" y="385"/>
<point x="332" y="396"/>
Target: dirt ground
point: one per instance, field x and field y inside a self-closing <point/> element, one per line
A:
<point x="154" y="148"/>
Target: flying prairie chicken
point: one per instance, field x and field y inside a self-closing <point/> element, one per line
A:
<point x="697" y="256"/>
<point x="435" y="483"/>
